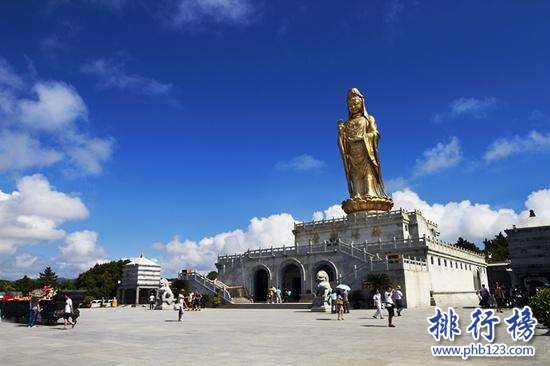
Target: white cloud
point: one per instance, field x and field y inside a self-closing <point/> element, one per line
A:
<point x="396" y="184"/>
<point x="333" y="212"/>
<point x="25" y="260"/>
<point x="504" y="147"/>
<point x="191" y="13"/>
<point x="470" y="107"/>
<point x="300" y="163"/>
<point x="473" y="221"/>
<point x="45" y="128"/>
<point x="20" y="150"/>
<point x="33" y="213"/>
<point x="81" y="251"/>
<point x="440" y="157"/>
<point x="275" y="230"/>
<point x="57" y="106"/>
<point x="112" y="74"/>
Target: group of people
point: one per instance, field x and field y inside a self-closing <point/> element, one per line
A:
<point x="339" y="301"/>
<point x="35" y="312"/>
<point x="393" y="301"/>
<point x="501" y="297"/>
<point x="276" y="296"/>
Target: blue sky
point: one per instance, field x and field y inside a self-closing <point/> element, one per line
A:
<point x="164" y="123"/>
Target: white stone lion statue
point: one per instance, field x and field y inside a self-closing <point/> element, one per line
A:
<point x="164" y="294"/>
<point x="322" y="293"/>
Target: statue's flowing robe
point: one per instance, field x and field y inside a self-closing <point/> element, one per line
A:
<point x="368" y="164"/>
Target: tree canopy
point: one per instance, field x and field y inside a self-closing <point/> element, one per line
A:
<point x="101" y="281"/>
<point x="465" y="244"/>
<point x="48" y="277"/>
<point x="496" y="249"/>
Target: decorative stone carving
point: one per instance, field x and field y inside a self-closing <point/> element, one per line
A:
<point x="321" y="302"/>
<point x="165" y="297"/>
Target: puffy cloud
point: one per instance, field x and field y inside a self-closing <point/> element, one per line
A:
<point x="112" y="74"/>
<point x="81" y="251"/>
<point x="505" y="147"/>
<point x="57" y="106"/>
<point x="333" y="212"/>
<point x="473" y="221"/>
<point x="25" y="260"/>
<point x="42" y="129"/>
<point x="440" y="157"/>
<point x="19" y="151"/>
<point x="469" y="107"/>
<point x="300" y="163"/>
<point x="33" y="213"/>
<point x="188" y="13"/>
<point x="275" y="230"/>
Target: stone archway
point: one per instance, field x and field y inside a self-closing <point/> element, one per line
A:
<point x="260" y="283"/>
<point x="329" y="268"/>
<point x="291" y="279"/>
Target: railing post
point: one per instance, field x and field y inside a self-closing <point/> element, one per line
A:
<point x="365" y="255"/>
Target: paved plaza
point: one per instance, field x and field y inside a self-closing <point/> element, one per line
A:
<point x="135" y="336"/>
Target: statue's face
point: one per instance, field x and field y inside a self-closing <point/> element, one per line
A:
<point x="355" y="105"/>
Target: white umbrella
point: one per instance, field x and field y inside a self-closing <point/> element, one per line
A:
<point x="344" y="287"/>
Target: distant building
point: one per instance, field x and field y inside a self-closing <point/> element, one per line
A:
<point x="139" y="275"/>
<point x="529" y="247"/>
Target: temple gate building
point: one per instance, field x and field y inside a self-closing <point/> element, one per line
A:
<point x="140" y="277"/>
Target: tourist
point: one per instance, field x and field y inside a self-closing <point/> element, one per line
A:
<point x="398" y="300"/>
<point x="181" y="305"/>
<point x="333" y="298"/>
<point x="388" y="300"/>
<point x="377" y="298"/>
<point x="499" y="297"/>
<point x="68" y="312"/>
<point x="278" y="295"/>
<point x="346" y="302"/>
<point x="34" y="309"/>
<point x="197" y="301"/>
<point x="340" y="305"/>
<point x="485" y="297"/>
<point x="151" y="301"/>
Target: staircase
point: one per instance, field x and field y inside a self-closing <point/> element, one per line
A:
<point x="212" y="287"/>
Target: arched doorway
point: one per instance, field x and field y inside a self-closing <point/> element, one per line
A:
<point x="292" y="280"/>
<point x="261" y="281"/>
<point x="328" y="268"/>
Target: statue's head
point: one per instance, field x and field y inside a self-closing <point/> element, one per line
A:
<point x="356" y="103"/>
<point x="163" y="282"/>
<point x="322" y="276"/>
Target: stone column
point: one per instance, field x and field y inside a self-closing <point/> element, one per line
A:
<point x="123" y="297"/>
<point x="137" y="295"/>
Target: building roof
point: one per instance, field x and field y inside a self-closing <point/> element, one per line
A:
<point x="531" y="221"/>
<point x="142" y="261"/>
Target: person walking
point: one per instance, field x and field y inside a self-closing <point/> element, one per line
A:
<point x="151" y="301"/>
<point x="398" y="300"/>
<point x="333" y="298"/>
<point x="68" y="312"/>
<point x="499" y="297"/>
<point x="278" y="295"/>
<point x="388" y="300"/>
<point x="34" y="309"/>
<point x="181" y="305"/>
<point x="377" y="298"/>
<point x="340" y="305"/>
<point x="346" y="302"/>
<point x="485" y="297"/>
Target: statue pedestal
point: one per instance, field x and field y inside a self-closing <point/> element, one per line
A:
<point x="371" y="204"/>
<point x="319" y="305"/>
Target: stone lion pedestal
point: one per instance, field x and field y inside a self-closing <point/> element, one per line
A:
<point x="321" y="301"/>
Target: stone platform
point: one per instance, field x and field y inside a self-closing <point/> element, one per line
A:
<point x="135" y="336"/>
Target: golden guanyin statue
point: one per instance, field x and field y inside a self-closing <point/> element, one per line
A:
<point x="358" y="141"/>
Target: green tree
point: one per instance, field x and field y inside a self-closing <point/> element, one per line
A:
<point x="496" y="250"/>
<point x="6" y="286"/>
<point x="176" y="285"/>
<point x="101" y="281"/>
<point x="465" y="244"/>
<point x="25" y="284"/>
<point x="212" y="275"/>
<point x="48" y="277"/>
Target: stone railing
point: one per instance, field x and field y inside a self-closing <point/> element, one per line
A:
<point x="214" y="287"/>
<point x="390" y="214"/>
<point x="447" y="248"/>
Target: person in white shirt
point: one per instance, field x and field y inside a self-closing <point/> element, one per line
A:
<point x="181" y="305"/>
<point x="68" y="312"/>
<point x="377" y="305"/>
<point x="151" y="301"/>
<point x="389" y="305"/>
<point x="278" y="296"/>
<point x="333" y="298"/>
<point x="398" y="300"/>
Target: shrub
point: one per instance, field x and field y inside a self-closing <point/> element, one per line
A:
<point x="88" y="300"/>
<point x="540" y="304"/>
<point x="206" y="301"/>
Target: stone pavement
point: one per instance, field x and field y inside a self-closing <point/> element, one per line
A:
<point x="135" y="336"/>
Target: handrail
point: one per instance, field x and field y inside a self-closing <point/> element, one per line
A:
<point x="209" y="284"/>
